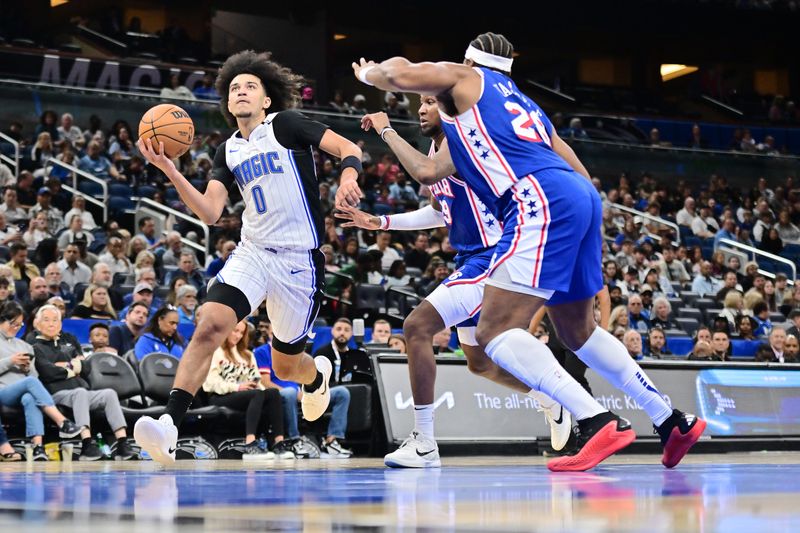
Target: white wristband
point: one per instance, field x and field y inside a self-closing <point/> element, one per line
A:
<point x="384" y="131"/>
<point x="362" y="75"/>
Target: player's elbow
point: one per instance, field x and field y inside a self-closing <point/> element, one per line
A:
<point x="426" y="175"/>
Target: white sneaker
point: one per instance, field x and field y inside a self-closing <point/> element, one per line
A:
<point x="334" y="450"/>
<point x="417" y="451"/>
<point x="560" y="426"/>
<point x="316" y="402"/>
<point x="159" y="438"/>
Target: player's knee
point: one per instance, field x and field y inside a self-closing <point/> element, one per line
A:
<point x="483" y="367"/>
<point x="417" y="325"/>
<point x="485" y="332"/>
<point x="210" y="332"/>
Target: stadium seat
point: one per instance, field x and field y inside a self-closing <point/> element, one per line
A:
<point x="703" y="304"/>
<point x="90" y="188"/>
<point x="370" y="297"/>
<point x="146" y="191"/>
<point x="110" y="371"/>
<point x="777" y="318"/>
<point x="120" y="278"/>
<point x="689" y="297"/>
<point x="689" y="325"/>
<point x="120" y="203"/>
<point x="78" y="290"/>
<point x="695" y="314"/>
<point x="676" y="304"/>
<point x="20" y="290"/>
<point x="120" y="189"/>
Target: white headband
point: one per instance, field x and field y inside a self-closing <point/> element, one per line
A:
<point x="488" y="60"/>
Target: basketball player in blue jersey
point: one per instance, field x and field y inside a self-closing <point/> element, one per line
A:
<point x="504" y="146"/>
<point x="269" y="158"/>
<point x="473" y="232"/>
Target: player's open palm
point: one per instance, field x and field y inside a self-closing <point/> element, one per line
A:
<point x="358" y="219"/>
<point x="158" y="159"/>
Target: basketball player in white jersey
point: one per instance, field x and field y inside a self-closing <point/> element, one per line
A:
<point x="269" y="158"/>
<point x="456" y="302"/>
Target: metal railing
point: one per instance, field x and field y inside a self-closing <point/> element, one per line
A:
<point x="101" y="202"/>
<point x="13" y="162"/>
<point x="207" y="249"/>
<point x="657" y="220"/>
<point x="762" y="253"/>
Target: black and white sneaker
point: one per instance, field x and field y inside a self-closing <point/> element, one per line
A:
<point x="39" y="454"/>
<point x="123" y="451"/>
<point x="305" y="448"/>
<point x="283" y="450"/>
<point x="90" y="452"/>
<point x="69" y="429"/>
<point x="334" y="450"/>
<point x="253" y="452"/>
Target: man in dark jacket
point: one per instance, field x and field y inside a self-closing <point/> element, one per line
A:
<point x="123" y="336"/>
<point x="60" y="366"/>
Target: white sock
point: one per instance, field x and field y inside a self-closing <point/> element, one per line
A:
<point x="532" y="362"/>
<point x="607" y="356"/>
<point x="545" y="401"/>
<point x="423" y="419"/>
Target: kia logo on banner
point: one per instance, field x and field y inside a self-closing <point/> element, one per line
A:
<point x="446" y="398"/>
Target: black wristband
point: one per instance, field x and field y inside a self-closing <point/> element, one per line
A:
<point x="352" y="162"/>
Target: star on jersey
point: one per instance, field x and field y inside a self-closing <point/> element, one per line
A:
<point x="489" y="223"/>
<point x="477" y="144"/>
<point x="526" y="192"/>
<point x="486" y="211"/>
<point x="472" y="132"/>
<point x="484" y="154"/>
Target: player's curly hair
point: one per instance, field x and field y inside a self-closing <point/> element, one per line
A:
<point x="280" y="83"/>
<point x="493" y="43"/>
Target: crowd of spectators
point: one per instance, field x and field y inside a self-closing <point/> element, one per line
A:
<point x="138" y="287"/>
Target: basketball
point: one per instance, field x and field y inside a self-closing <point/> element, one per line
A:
<point x="169" y="124"/>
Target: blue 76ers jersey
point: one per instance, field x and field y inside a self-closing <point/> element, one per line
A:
<point x="471" y="225"/>
<point x="505" y="136"/>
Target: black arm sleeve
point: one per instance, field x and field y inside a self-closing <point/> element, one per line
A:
<point x="220" y="170"/>
<point x="296" y="131"/>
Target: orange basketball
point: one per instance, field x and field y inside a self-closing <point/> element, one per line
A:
<point x="169" y="124"/>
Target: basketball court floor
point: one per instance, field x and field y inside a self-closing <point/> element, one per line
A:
<point x="752" y="492"/>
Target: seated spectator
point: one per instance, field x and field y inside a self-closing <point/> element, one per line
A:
<point x="175" y="90"/>
<point x="171" y="253"/>
<point x="702" y="334"/>
<point x="671" y="267"/>
<point x="338" y="352"/>
<point x="771" y="242"/>
<point x="99" y="338"/>
<point x="794" y="317"/>
<point x="733" y="308"/>
<point x="702" y="351"/>
<point x="398" y="342"/>
<point x="761" y="316"/>
<point x="206" y="90"/>
<point x="60" y="366"/>
<point x="791" y="349"/>
<point x="122" y="149"/>
<point x="787" y="232"/>
<point x="174" y="286"/>
<point x="95" y="305"/>
<point x="618" y="318"/>
<point x="147" y="230"/>
<point x="13" y="211"/>
<point x="187" y="266"/>
<point x="216" y="265"/>
<point x="657" y="343"/>
<point x="161" y="335"/>
<point x="397" y="276"/>
<point x="41" y="152"/>
<point x="122" y="337"/>
<point x="37" y="231"/>
<point x="70" y="132"/>
<point x="5" y="292"/>
<point x="441" y="342"/>
<point x="703" y="284"/>
<point x="381" y="331"/>
<point x="186" y="299"/>
<point x="56" y="286"/>
<point x="20" y="386"/>
<point x="660" y="315"/>
<point x="26" y="194"/>
<point x="55" y="217"/>
<point x="75" y="232"/>
<point x="633" y="343"/>
<point x="383" y="245"/>
<point x="686" y="216"/>
<point x="729" y="283"/>
<point x="95" y="163"/>
<point x="73" y="271"/>
<point x="440" y="273"/>
<point x="7" y="453"/>
<point x="638" y="318"/>
<point x="366" y="269"/>
<point x="115" y="257"/>
<point x="8" y="234"/>
<point x="705" y="225"/>
<point x="233" y="381"/>
<point x="720" y="346"/>
<point x="143" y="290"/>
<point x="79" y="208"/>
<point x="773" y="350"/>
<point x="727" y="231"/>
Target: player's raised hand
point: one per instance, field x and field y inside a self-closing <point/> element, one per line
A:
<point x="360" y="69"/>
<point x="377" y="121"/>
<point x="160" y="160"/>
<point x="358" y="219"/>
<point x="348" y="194"/>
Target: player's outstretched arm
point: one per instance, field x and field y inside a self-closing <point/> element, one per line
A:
<point x="348" y="193"/>
<point x="568" y="154"/>
<point x="208" y="207"/>
<point x="422" y="168"/>
<point x="426" y="218"/>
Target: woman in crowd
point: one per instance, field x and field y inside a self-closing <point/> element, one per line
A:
<point x="732" y="309"/>
<point x="746" y="326"/>
<point x="234" y="381"/>
<point x="769" y="296"/>
<point x="20" y="386"/>
<point x="660" y="315"/>
<point x="397" y="276"/>
<point x="136" y="244"/>
<point x="96" y="304"/>
<point x="175" y="285"/>
<point x="618" y="318"/>
<point x="771" y="242"/>
<point x="397" y="342"/>
<point x="161" y="335"/>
